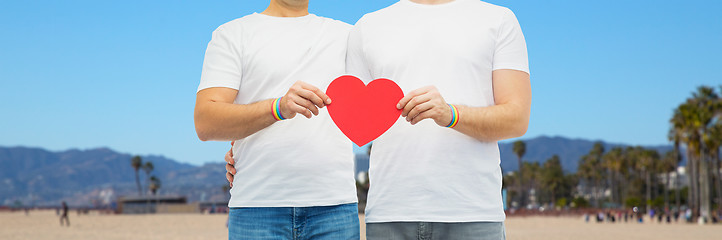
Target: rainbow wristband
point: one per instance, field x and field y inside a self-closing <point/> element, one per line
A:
<point x="276" y="108"/>
<point x="454" y="117"/>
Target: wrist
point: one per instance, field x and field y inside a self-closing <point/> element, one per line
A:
<point x="454" y="116"/>
<point x="276" y="109"/>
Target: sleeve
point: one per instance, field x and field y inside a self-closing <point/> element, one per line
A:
<point x="355" y="57"/>
<point x="510" y="51"/>
<point x="222" y="63"/>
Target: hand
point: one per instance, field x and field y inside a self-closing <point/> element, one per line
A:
<point x="423" y="103"/>
<point x="304" y="99"/>
<point x="230" y="167"/>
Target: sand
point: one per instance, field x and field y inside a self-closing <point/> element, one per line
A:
<point x="45" y="225"/>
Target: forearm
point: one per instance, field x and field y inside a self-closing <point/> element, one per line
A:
<point x="220" y="121"/>
<point x="493" y="123"/>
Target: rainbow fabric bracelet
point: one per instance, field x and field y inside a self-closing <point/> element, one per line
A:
<point x="454" y="117"/>
<point x="276" y="108"/>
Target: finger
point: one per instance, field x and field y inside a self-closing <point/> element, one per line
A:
<point x="230" y="169"/>
<point x="300" y="109"/>
<point x="306" y="104"/>
<point x="229" y="157"/>
<point x="419" y="109"/>
<point x="312" y="96"/>
<point x="405" y="100"/>
<point x="325" y="98"/>
<point x="414" y="102"/>
<point x="421" y="116"/>
<point x="229" y="177"/>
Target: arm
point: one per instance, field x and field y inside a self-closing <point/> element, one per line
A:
<point x="218" y="118"/>
<point x="508" y="118"/>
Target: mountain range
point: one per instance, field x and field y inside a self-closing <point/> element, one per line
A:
<point x="38" y="177"/>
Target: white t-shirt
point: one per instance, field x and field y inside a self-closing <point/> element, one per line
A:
<point x="427" y="172"/>
<point x="297" y="162"/>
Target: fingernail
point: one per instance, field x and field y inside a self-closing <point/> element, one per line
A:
<point x="328" y="101"/>
<point x="398" y="106"/>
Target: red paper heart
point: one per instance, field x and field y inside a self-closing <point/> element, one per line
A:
<point x="363" y="112"/>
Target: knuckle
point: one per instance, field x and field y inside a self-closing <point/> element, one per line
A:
<point x="413" y="102"/>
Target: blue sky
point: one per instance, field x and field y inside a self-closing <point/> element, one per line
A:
<point x="123" y="74"/>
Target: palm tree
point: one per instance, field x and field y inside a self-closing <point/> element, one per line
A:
<point x="519" y="149"/>
<point x="613" y="162"/>
<point x="154" y="184"/>
<point x="136" y="162"/>
<point x="714" y="142"/>
<point x="553" y="176"/>
<point x="226" y="191"/>
<point x="705" y="104"/>
<point x="682" y="123"/>
<point x="590" y="170"/>
<point x="646" y="165"/>
<point x="632" y="175"/>
<point x="147" y="168"/>
<point x="532" y="173"/>
<point x="667" y="165"/>
<point x="693" y="121"/>
<point x="675" y="135"/>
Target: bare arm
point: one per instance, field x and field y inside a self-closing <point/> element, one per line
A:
<point x="218" y="118"/>
<point x="508" y="118"/>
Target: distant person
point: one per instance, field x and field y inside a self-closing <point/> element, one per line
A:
<point x="64" y="215"/>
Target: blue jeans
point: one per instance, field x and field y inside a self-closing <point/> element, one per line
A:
<point x="435" y="230"/>
<point x="325" y="222"/>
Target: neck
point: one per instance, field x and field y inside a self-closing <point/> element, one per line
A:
<point x="287" y="8"/>
<point x="431" y="2"/>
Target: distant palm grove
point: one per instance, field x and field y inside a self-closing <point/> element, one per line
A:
<point x="623" y="178"/>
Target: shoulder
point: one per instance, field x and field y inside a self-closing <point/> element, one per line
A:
<point x="491" y="9"/>
<point x="336" y="25"/>
<point x="233" y="28"/>
<point x="380" y="15"/>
